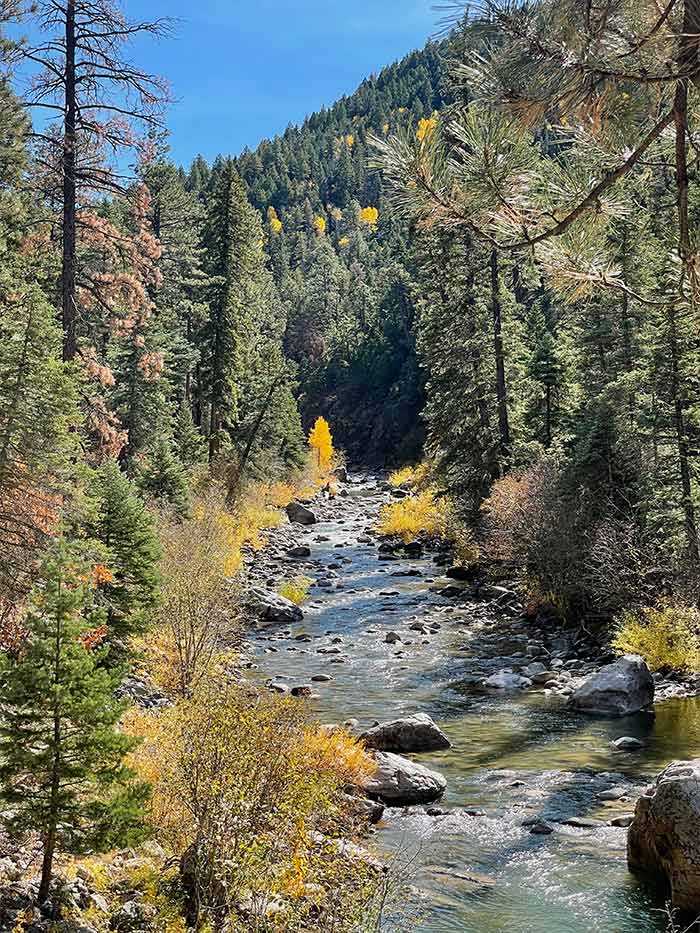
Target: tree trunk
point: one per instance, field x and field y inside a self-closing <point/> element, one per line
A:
<point x="501" y="394"/>
<point x="69" y="256"/>
<point x="680" y="115"/>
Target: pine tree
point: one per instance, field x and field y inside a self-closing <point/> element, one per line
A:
<point x="121" y="523"/>
<point x="162" y="478"/>
<point x="62" y="772"/>
<point x="234" y="262"/>
<point x="190" y="445"/>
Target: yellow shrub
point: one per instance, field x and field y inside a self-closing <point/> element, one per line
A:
<point x="254" y="779"/>
<point x="297" y="590"/>
<point x="666" y="637"/>
<point x="423" y="513"/>
<point x="412" y="476"/>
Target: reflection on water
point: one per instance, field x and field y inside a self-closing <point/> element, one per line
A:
<point x="514" y="759"/>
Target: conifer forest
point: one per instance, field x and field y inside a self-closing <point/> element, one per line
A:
<point x="350" y="480"/>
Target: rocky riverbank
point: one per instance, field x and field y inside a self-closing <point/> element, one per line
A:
<point x="391" y="631"/>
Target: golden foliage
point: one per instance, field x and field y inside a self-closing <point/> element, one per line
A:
<point x="274" y="221"/>
<point x="195" y="615"/>
<point x="296" y="590"/>
<point x="350" y="140"/>
<point x="666" y="636"/>
<point x="320" y="225"/>
<point x="423" y="513"/>
<point x="413" y="476"/>
<point x="426" y="129"/>
<point x="321" y="444"/>
<point x="250" y="781"/>
<point x="369" y="216"/>
<point x="344" y="241"/>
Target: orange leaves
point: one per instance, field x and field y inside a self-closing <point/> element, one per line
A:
<point x="102" y="574"/>
<point x="94" y="638"/>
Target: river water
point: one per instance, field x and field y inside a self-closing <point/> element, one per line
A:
<point x="514" y="758"/>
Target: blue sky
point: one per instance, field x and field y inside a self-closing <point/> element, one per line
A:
<point x="241" y="70"/>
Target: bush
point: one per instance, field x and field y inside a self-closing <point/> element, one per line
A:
<point x="412" y="476"/>
<point x="666" y="636"/>
<point x="296" y="590"/>
<point x="419" y="514"/>
<point x="243" y="789"/>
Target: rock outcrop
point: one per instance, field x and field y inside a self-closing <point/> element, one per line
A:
<point x="399" y="782"/>
<point x="417" y="733"/>
<point x="618" y="689"/>
<point x="663" y="839"/>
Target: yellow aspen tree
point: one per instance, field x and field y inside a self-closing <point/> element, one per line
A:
<point x="321" y="441"/>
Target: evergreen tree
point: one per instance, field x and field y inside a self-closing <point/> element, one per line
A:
<point x="62" y="771"/>
<point x="121" y="523"/>
<point x="163" y="478"/>
<point x="235" y="262"/>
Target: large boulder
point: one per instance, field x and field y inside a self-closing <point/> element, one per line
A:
<point x="398" y="782"/>
<point x="417" y="733"/>
<point x="663" y="839"/>
<point x="618" y="689"/>
<point x="296" y="512"/>
<point x="276" y="608"/>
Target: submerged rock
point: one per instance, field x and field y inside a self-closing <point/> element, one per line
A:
<point x="299" y="513"/>
<point x="398" y="782"/>
<point x="628" y="743"/>
<point x="663" y="839"/>
<point x="621" y="688"/>
<point x="417" y="733"/>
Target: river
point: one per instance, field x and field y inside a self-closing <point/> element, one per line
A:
<point x="515" y="757"/>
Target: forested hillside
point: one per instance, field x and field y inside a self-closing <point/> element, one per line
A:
<point x="343" y="265"/>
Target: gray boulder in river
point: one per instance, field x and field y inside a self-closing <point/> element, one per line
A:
<point x="276" y="608"/>
<point x="398" y="782"/>
<point x="417" y="733"/>
<point x="296" y="512"/>
<point x="618" y="689"/>
<point x="664" y="839"/>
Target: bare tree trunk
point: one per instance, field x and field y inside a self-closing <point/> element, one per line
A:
<point x="69" y="258"/>
<point x="501" y="393"/>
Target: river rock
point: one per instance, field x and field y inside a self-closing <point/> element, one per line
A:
<point x="507" y="680"/>
<point x="276" y="608"/>
<point x="618" y="689"/>
<point x="663" y="839"/>
<point x="398" y="782"/>
<point x="303" y="690"/>
<point x="300" y="550"/>
<point x="459" y="572"/>
<point x="299" y="513"/>
<point x="392" y="638"/>
<point x="417" y="733"/>
<point x="628" y="743"/>
<point x="341" y="474"/>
